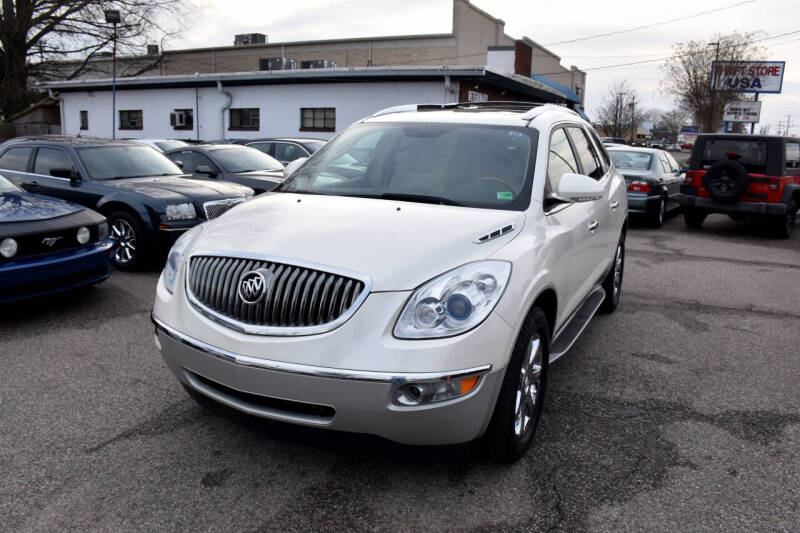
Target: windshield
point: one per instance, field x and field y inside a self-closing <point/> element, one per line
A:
<point x="170" y="145"/>
<point x="313" y="146"/>
<point x="456" y="164"/>
<point x="115" y="162"/>
<point x="7" y="186"/>
<point x="631" y="160"/>
<point x="244" y="159"/>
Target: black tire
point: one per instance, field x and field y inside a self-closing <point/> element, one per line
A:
<point x="693" y="217"/>
<point x="657" y="220"/>
<point x="612" y="285"/>
<point x="130" y="254"/>
<point x="783" y="225"/>
<point x="508" y="438"/>
<point x="726" y="181"/>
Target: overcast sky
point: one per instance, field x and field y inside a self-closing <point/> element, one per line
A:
<point x="543" y="21"/>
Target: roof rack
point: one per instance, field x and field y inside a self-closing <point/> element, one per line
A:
<point x="529" y="110"/>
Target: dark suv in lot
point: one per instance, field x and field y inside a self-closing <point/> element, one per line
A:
<point x="743" y="176"/>
<point x="144" y="196"/>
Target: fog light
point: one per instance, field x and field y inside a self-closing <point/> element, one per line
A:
<point x="8" y="248"/>
<point x="411" y="394"/>
<point x="83" y="235"/>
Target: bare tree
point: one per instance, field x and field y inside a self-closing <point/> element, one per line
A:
<point x="618" y="112"/>
<point x="672" y="121"/>
<point x="686" y="76"/>
<point x="43" y="39"/>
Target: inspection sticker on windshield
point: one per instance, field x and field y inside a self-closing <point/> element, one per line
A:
<point x="504" y="195"/>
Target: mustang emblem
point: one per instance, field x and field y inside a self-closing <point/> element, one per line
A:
<point x="50" y="241"/>
<point x="253" y="285"/>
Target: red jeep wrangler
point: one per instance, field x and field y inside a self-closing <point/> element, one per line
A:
<point x="755" y="176"/>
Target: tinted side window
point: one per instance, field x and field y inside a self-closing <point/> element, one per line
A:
<point x="664" y="164"/>
<point x="16" y="159"/>
<point x="590" y="163"/>
<point x="50" y="158"/>
<point x="560" y="160"/>
<point x="264" y="147"/>
<point x="600" y="150"/>
<point x="792" y="155"/>
<point x="288" y="152"/>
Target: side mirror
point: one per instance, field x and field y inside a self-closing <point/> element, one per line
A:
<point x="66" y="173"/>
<point x="684" y="170"/>
<point x="578" y="188"/>
<point x="179" y="164"/>
<point x="205" y="169"/>
<point x="292" y="167"/>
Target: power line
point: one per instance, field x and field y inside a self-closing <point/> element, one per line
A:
<point x="700" y="14"/>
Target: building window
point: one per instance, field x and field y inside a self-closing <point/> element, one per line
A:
<point x="130" y="119"/>
<point x="244" y="119"/>
<point x="84" y="120"/>
<point x="318" y="119"/>
<point x="182" y="119"/>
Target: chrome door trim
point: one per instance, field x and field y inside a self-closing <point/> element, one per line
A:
<point x="310" y="370"/>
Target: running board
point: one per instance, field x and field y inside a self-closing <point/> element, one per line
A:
<point x="570" y="333"/>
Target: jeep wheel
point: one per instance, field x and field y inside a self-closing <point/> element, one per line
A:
<point x="519" y="404"/>
<point x="726" y="181"/>
<point x="693" y="217"/>
<point x="612" y="284"/>
<point x="784" y="224"/>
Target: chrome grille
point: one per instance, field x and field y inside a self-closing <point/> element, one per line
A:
<point x="218" y="207"/>
<point x="297" y="297"/>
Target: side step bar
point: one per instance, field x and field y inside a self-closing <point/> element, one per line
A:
<point x="570" y="333"/>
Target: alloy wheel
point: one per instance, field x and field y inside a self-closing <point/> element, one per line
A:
<point x="619" y="260"/>
<point x="123" y="233"/>
<point x="528" y="388"/>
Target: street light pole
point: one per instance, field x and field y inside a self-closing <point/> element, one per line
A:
<point x="712" y="89"/>
<point x="113" y="17"/>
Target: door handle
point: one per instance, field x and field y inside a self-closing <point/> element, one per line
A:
<point x="593" y="225"/>
<point x="33" y="183"/>
<point x="614" y="205"/>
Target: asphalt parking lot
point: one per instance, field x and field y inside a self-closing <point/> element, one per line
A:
<point x="679" y="412"/>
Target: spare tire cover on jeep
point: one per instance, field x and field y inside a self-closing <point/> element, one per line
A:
<point x="726" y="181"/>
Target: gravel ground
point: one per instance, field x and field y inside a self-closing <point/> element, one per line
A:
<point x="681" y="411"/>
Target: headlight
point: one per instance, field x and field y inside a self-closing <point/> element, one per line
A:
<point x="83" y="235"/>
<point x="181" y="212"/>
<point x="170" y="273"/>
<point x="455" y="302"/>
<point x="102" y="231"/>
<point x="8" y="248"/>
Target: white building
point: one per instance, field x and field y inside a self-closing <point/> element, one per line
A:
<point x="311" y="103"/>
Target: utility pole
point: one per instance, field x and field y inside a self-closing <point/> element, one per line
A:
<point x="788" y="124"/>
<point x="712" y="88"/>
<point x="633" y="118"/>
<point x="113" y="17"/>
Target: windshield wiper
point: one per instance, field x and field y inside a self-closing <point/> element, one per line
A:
<point x="422" y="198"/>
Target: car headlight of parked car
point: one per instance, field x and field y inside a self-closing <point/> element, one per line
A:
<point x="83" y="235"/>
<point x="170" y="273"/>
<point x="8" y="248"/>
<point x="454" y="302"/>
<point x="181" y="212"/>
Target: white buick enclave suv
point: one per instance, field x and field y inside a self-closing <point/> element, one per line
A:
<point x="414" y="279"/>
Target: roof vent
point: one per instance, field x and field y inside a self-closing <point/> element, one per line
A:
<point x="495" y="234"/>
<point x="247" y="39"/>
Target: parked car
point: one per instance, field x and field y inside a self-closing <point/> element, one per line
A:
<point x="614" y="140"/>
<point x="420" y="294"/>
<point x="286" y="149"/>
<point x="162" y="145"/>
<point x="48" y="245"/>
<point x="229" y="162"/>
<point x="653" y="177"/>
<point x="142" y="193"/>
<point x="744" y="176"/>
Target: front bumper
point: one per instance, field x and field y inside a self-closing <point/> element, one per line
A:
<point x="641" y="203"/>
<point x="40" y="275"/>
<point x="332" y="398"/>
<point x="687" y="199"/>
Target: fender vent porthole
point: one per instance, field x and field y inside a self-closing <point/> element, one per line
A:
<point x="495" y="234"/>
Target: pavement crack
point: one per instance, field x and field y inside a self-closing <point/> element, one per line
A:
<point x="646" y="301"/>
<point x="559" y="501"/>
<point x="678" y="255"/>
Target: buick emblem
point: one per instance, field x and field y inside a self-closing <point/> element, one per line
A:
<point x="50" y="241"/>
<point x="253" y="285"/>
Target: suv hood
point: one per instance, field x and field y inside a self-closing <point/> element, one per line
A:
<point x="398" y="245"/>
<point x="179" y="188"/>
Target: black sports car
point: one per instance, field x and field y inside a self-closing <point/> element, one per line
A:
<point x="145" y="197"/>
<point x="229" y="162"/>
